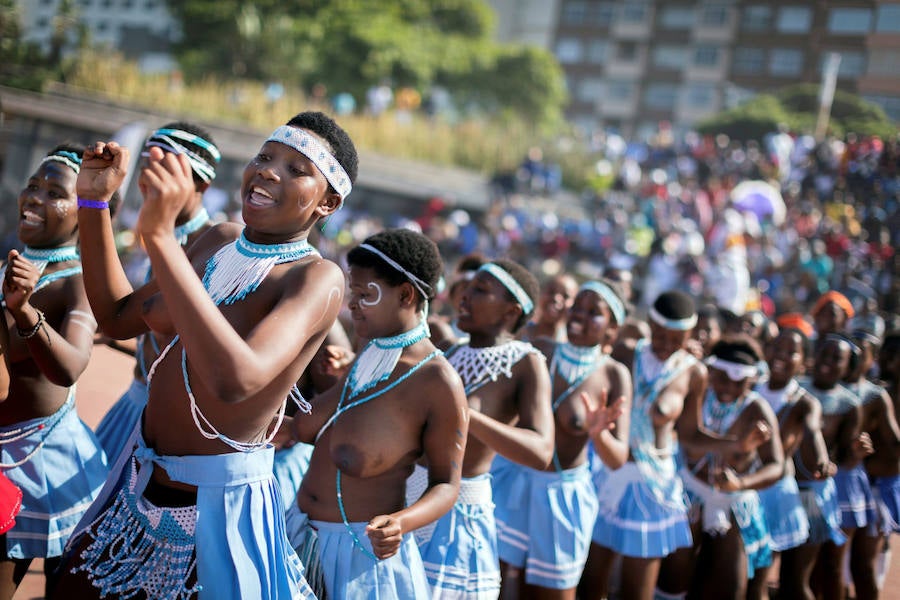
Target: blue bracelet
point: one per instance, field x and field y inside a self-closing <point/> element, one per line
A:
<point x="85" y="203"/>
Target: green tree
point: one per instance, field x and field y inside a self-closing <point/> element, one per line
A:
<point x="352" y="45"/>
<point x="797" y="107"/>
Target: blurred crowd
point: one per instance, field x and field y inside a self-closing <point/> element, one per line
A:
<point x="671" y="217"/>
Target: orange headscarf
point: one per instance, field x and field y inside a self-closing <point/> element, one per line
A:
<point x="836" y="297"/>
<point x="795" y="321"/>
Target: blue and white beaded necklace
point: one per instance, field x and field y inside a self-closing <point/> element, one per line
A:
<point x="191" y="226"/>
<point x="238" y="268"/>
<point x="41" y="257"/>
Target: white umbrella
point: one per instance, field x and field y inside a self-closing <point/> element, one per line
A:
<point x="761" y="198"/>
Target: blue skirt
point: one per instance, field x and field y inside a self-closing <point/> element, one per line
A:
<point x="544" y="522"/>
<point x="887" y="499"/>
<point x="118" y="423"/>
<point x="854" y="496"/>
<point x="64" y="474"/>
<point x="787" y="520"/>
<point x="633" y="520"/>
<point x="820" y="502"/>
<point x="290" y="467"/>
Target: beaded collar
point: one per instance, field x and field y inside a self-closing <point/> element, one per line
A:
<point x="377" y="360"/>
<point x="573" y="363"/>
<point x="238" y="268"/>
<point x="41" y="257"/>
<point x="719" y="416"/>
<point x="191" y="226"/>
<point x="479" y="366"/>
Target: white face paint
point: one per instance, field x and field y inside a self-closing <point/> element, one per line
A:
<point x="369" y="303"/>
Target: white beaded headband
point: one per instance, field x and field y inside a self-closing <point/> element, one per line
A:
<point x="70" y="159"/>
<point x="616" y="306"/>
<point x="676" y="324"/>
<point x="735" y="371"/>
<point x="518" y="292"/>
<point x="169" y="141"/>
<point x="311" y="148"/>
<point x="417" y="283"/>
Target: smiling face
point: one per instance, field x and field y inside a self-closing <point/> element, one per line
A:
<point x="665" y="342"/>
<point x="556" y="298"/>
<point x="47" y="207"/>
<point x="590" y="322"/>
<point x="785" y="357"/>
<point x="726" y="389"/>
<point x="284" y="194"/>
<point x="831" y="363"/>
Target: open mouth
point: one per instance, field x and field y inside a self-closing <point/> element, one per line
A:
<point x="260" y="197"/>
<point x="31" y="219"/>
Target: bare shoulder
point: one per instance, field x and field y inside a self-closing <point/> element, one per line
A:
<point x="442" y="380"/>
<point x="545" y="345"/>
<point x="616" y="371"/>
<point x="214" y="238"/>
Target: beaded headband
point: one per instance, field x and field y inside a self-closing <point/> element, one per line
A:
<point x="735" y="371"/>
<point x="518" y="292"/>
<point x="311" y="148"/>
<point x="676" y="324"/>
<point x="615" y="304"/>
<point x="70" y="159"/>
<point x="417" y="283"/>
<point x="168" y="140"/>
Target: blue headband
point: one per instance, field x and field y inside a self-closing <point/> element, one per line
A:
<point x="70" y="159"/>
<point x="169" y="140"/>
<point x="615" y="304"/>
<point x="517" y="291"/>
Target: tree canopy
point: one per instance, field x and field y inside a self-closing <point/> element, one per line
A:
<point x="352" y="45"/>
<point x="796" y="107"/>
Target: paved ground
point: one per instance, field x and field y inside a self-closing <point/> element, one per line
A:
<point x="109" y="374"/>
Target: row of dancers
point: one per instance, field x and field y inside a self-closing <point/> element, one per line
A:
<point x="474" y="457"/>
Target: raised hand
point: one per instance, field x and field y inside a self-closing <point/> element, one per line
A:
<point x="167" y="186"/>
<point x="385" y="533"/>
<point x="19" y="281"/>
<point x="862" y="446"/>
<point x="601" y="415"/>
<point x="103" y="168"/>
<point x="728" y="480"/>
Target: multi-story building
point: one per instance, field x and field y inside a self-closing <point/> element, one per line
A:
<point x="141" y="29"/>
<point x="630" y="64"/>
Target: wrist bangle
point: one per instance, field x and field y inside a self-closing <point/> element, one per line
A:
<point x="98" y="204"/>
<point x="30" y="333"/>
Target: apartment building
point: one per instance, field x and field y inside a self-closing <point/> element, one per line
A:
<point x="631" y="64"/>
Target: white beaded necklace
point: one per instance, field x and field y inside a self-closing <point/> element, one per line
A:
<point x="479" y="366"/>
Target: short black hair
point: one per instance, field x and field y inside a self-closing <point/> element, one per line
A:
<point x="411" y="250"/>
<point x="710" y="312"/>
<point x="675" y="304"/>
<point x="528" y="282"/>
<point x="740" y="349"/>
<point x="341" y="146"/>
<point x="197" y="149"/>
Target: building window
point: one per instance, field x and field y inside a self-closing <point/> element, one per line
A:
<point x="603" y="14"/>
<point x="670" y="57"/>
<point x="852" y="65"/>
<point x="635" y="12"/>
<point x="706" y="56"/>
<point x="590" y="90"/>
<point x="757" y="18"/>
<point x="569" y="50"/>
<point x="101" y="26"/>
<point x="888" y="19"/>
<point x="660" y="95"/>
<point x="42" y="23"/>
<point x="794" y="19"/>
<point x="785" y="62"/>
<point x="598" y="52"/>
<point x="749" y="61"/>
<point x="714" y="15"/>
<point x="850" y="20"/>
<point x="620" y="90"/>
<point x="574" y="12"/>
<point x="677" y="17"/>
<point x="884" y="63"/>
<point x="699" y="95"/>
<point x="627" y="51"/>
